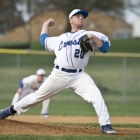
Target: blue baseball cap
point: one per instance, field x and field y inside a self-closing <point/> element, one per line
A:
<point x="78" y="11"/>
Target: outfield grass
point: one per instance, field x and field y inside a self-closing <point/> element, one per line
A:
<point x="71" y="137"/>
<point x="80" y="108"/>
<point x="117" y="45"/>
<point x="130" y="45"/>
<point x="125" y="45"/>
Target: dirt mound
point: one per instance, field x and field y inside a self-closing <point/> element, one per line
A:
<point x="14" y="127"/>
<point x="11" y="127"/>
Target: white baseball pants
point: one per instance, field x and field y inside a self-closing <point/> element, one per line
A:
<point x="81" y="83"/>
<point x="45" y="103"/>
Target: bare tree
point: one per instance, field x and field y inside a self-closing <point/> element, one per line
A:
<point x="9" y="10"/>
<point x="113" y="7"/>
<point x="9" y="16"/>
<point x="133" y="6"/>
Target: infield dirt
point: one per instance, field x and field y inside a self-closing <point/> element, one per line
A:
<point x="35" y="125"/>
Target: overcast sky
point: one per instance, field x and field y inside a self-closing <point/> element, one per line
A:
<point x="130" y="17"/>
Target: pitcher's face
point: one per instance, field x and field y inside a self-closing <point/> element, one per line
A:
<point x="77" y="20"/>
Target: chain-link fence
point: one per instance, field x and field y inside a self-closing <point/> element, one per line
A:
<point x="116" y="76"/>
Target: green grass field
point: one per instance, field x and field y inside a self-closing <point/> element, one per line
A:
<point x="71" y="137"/>
<point x="108" y="74"/>
<point x="117" y="45"/>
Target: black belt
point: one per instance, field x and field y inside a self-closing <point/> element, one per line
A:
<point x="68" y="70"/>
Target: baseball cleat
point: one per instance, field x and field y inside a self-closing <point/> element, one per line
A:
<point x="4" y="113"/>
<point x="108" y="129"/>
<point x="45" y="115"/>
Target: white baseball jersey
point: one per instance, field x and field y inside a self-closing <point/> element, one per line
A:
<point x="67" y="74"/>
<point x="31" y="82"/>
<point x="67" y="49"/>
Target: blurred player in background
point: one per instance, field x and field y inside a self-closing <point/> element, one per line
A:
<point x="31" y="84"/>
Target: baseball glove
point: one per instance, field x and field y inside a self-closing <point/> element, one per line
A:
<point x="85" y="44"/>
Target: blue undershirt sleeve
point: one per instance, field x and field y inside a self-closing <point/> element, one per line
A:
<point x="21" y="84"/>
<point x="42" y="39"/>
<point x="105" y="47"/>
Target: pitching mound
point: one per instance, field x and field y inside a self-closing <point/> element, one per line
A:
<point x="13" y="126"/>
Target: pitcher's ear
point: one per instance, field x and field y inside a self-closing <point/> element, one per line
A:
<point x="70" y="20"/>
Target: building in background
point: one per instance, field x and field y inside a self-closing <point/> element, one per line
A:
<point x="136" y="28"/>
<point x="122" y="33"/>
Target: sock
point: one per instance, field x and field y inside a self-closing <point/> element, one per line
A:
<point x="12" y="110"/>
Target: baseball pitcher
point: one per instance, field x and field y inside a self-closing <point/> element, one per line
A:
<point x="72" y="50"/>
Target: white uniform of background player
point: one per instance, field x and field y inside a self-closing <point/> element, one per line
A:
<point x="68" y="71"/>
<point x="31" y="84"/>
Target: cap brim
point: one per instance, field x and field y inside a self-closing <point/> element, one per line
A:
<point x="84" y="13"/>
